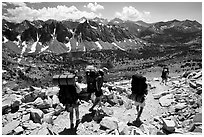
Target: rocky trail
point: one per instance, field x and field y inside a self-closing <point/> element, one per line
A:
<point x="175" y="108"/>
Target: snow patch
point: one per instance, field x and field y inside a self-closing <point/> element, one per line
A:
<point x="93" y="27"/>
<point x="71" y="31"/>
<point x="17" y="43"/>
<point x="68" y="45"/>
<point x="117" y="46"/>
<point x="24" y="47"/>
<point x="130" y="40"/>
<point x="19" y="59"/>
<point x="33" y="47"/>
<point x="5" y="40"/>
<point x="84" y="49"/>
<point x="98" y="45"/>
<point x="82" y="21"/>
<point x="43" y="49"/>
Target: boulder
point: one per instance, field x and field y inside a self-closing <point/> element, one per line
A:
<point x="198" y="129"/>
<point x="110" y="123"/>
<point x="197" y="75"/>
<point x="7" y="101"/>
<point x="16" y="103"/>
<point x="55" y="100"/>
<point x="59" y="108"/>
<point x="47" y="118"/>
<point x="25" y="117"/>
<point x="107" y="111"/>
<point x="38" y="102"/>
<point x="30" y="125"/>
<point x="43" y="130"/>
<point x="29" y="97"/>
<point x="169" y="125"/>
<point x="198" y="83"/>
<point x="192" y="84"/>
<point x="158" y="95"/>
<point x="121" y="126"/>
<point x="180" y="106"/>
<point x="198" y="118"/>
<point x="42" y="104"/>
<point x="155" y="79"/>
<point x="8" y="128"/>
<point x="11" y="116"/>
<point x="137" y="131"/>
<point x="36" y="115"/>
<point x="199" y="90"/>
<point x="18" y="130"/>
<point x="121" y="89"/>
<point x="166" y="100"/>
<point x="128" y="104"/>
<point x="52" y="91"/>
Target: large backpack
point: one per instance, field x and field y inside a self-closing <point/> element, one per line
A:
<point x="67" y="94"/>
<point x="165" y="72"/>
<point x="139" y="85"/>
<point x="91" y="75"/>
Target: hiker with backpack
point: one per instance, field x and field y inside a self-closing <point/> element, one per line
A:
<point x="94" y="79"/>
<point x="68" y="95"/>
<point x="139" y="92"/>
<point x="165" y="75"/>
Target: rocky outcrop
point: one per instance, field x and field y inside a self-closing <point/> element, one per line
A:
<point x="37" y="111"/>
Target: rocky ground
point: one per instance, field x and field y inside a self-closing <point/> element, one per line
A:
<point x="175" y="108"/>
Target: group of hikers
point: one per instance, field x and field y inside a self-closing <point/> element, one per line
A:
<point x="69" y="94"/>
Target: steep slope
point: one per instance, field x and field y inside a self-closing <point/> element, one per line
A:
<point x="67" y="36"/>
<point x="172" y="32"/>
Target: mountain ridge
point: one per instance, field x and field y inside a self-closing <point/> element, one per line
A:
<point x="93" y="34"/>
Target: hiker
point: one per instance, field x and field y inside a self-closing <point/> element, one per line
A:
<point x="139" y="92"/>
<point x="165" y="75"/>
<point x="68" y="96"/>
<point x="94" y="84"/>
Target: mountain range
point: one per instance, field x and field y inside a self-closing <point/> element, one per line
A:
<point x="51" y="36"/>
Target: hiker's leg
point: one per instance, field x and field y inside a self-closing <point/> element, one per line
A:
<point x="99" y="102"/>
<point x="77" y="112"/>
<point x="77" y="116"/>
<point x="139" y="113"/>
<point x="71" y="117"/>
<point x="137" y="108"/>
<point x="94" y="104"/>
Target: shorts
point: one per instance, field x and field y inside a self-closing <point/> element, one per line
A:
<point x="99" y="93"/>
<point x="69" y="107"/>
<point x="139" y="100"/>
<point x="140" y="104"/>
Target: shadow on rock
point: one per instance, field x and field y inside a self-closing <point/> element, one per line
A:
<point x="136" y="123"/>
<point x="69" y="131"/>
<point x="94" y="115"/>
<point x="88" y="117"/>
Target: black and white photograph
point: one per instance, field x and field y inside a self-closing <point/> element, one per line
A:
<point x="101" y="67"/>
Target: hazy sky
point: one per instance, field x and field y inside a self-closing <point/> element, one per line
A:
<point x="146" y="11"/>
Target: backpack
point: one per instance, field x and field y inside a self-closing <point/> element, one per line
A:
<point x="94" y="81"/>
<point x="64" y="79"/>
<point x="165" y="73"/>
<point x="67" y="94"/>
<point x="91" y="75"/>
<point x="139" y="85"/>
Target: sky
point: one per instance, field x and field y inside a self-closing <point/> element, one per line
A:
<point x="149" y="12"/>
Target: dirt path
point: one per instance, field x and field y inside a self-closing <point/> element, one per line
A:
<point x="153" y="107"/>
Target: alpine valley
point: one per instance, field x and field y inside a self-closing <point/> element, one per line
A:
<point x="117" y="44"/>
